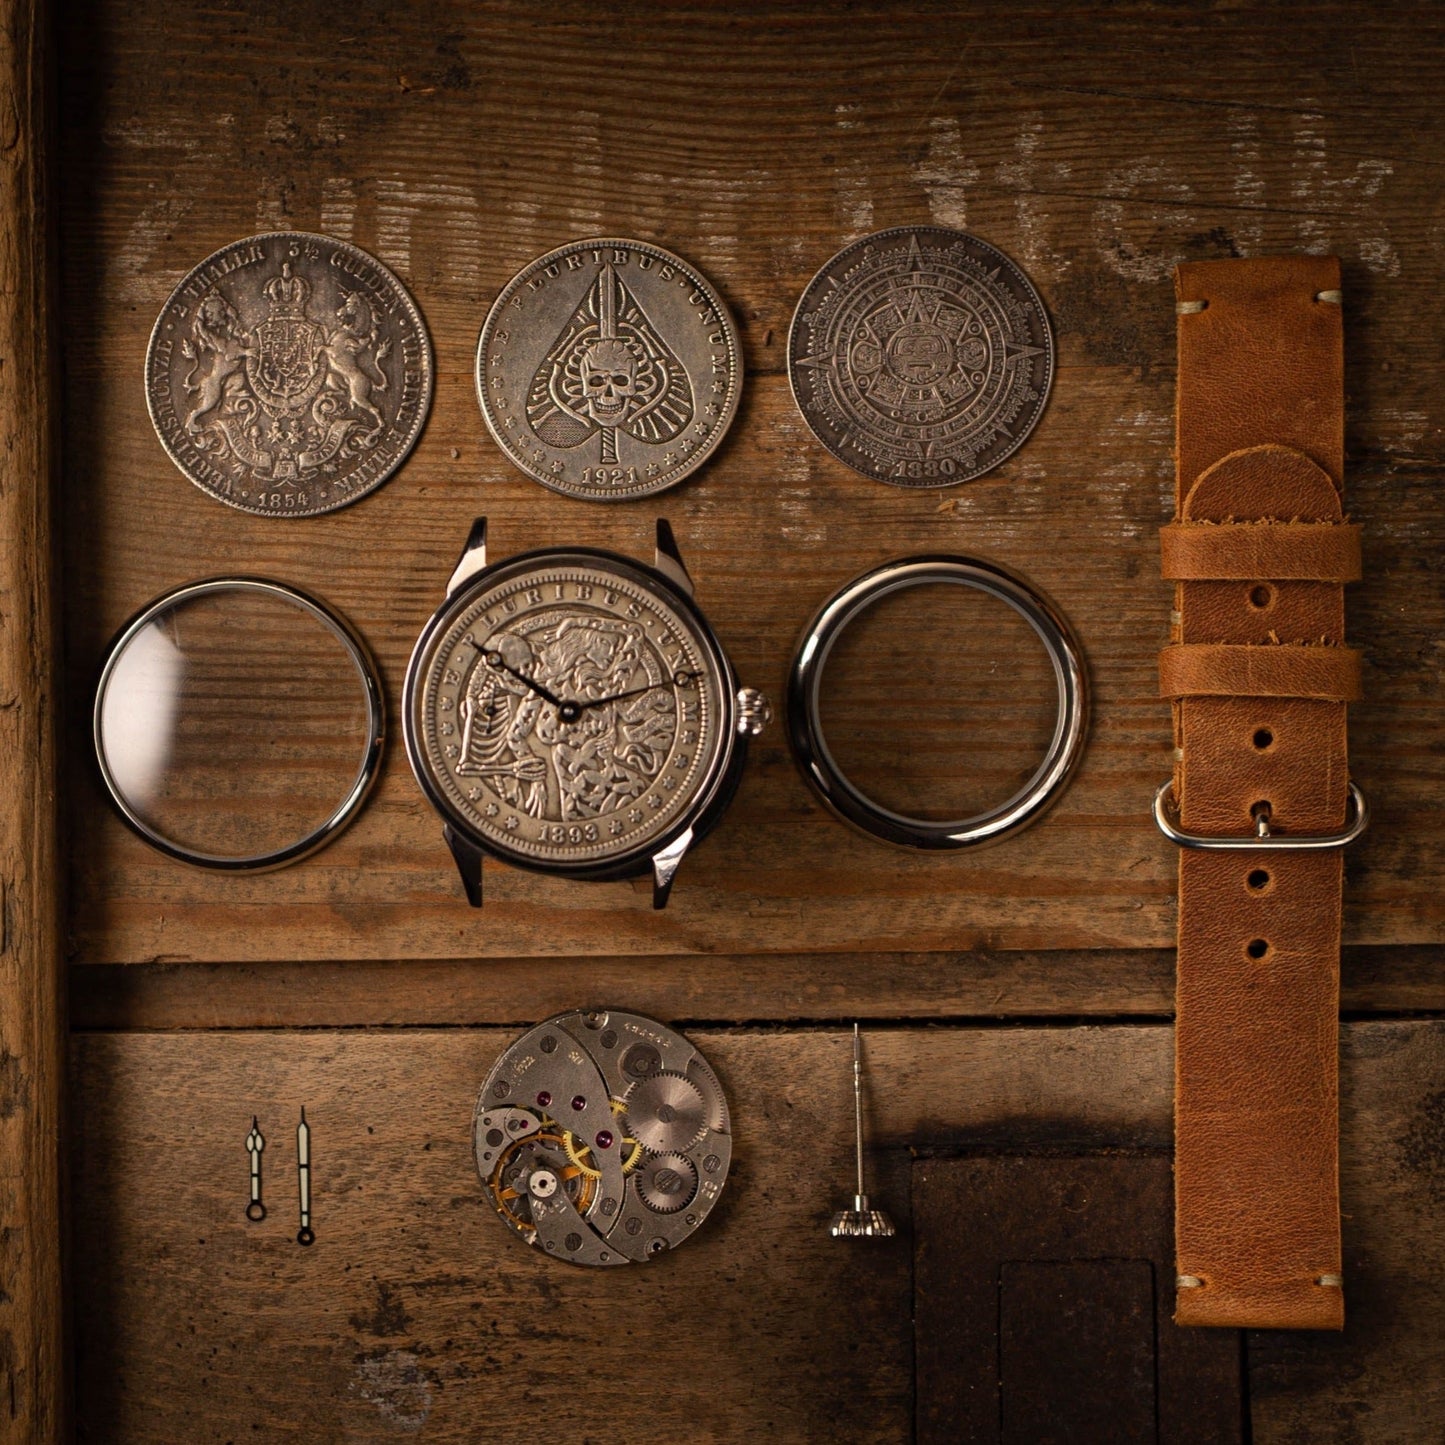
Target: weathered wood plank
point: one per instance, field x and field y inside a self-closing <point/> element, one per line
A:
<point x="33" y="1367"/>
<point x="414" y="1302"/>
<point x="426" y="139"/>
<point x="734" y="988"/>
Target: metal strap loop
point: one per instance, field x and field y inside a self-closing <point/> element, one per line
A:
<point x="1262" y="837"/>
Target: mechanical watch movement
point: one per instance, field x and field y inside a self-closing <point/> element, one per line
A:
<point x="602" y="1137"/>
<point x="571" y="711"/>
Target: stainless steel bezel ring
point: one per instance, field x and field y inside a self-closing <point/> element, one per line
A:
<point x="810" y="747"/>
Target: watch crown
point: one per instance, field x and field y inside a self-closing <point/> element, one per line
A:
<point x="755" y="712"/>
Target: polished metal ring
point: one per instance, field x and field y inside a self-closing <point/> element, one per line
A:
<point x="367" y="769"/>
<point x="827" y="778"/>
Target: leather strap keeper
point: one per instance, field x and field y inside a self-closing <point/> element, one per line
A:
<point x="1259" y="679"/>
<point x="1205" y="669"/>
<point x="1241" y="551"/>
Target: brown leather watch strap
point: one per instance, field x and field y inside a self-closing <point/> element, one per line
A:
<point x="1259" y="678"/>
<point x="1296" y="551"/>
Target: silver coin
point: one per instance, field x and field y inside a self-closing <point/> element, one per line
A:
<point x="571" y="713"/>
<point x="609" y="369"/>
<point x="921" y="356"/>
<point x="289" y="374"/>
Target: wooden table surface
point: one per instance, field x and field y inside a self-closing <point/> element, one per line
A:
<point x="456" y="141"/>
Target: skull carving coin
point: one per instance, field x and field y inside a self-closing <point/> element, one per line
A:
<point x="289" y="374"/>
<point x="921" y="356"/>
<point x="609" y="369"/>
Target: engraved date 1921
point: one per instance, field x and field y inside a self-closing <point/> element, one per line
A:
<point x="609" y="477"/>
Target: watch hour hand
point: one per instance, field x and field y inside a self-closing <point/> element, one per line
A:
<point x="567" y="711"/>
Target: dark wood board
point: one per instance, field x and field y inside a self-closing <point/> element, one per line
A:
<point x="1046" y="1321"/>
<point x="737" y="988"/>
<point x="456" y="141"/>
<point x="417" y="1307"/>
<point x="33" y="1352"/>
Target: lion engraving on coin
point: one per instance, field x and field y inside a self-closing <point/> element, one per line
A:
<point x="286" y="395"/>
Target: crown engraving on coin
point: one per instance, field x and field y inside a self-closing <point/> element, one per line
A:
<point x="289" y="373"/>
<point x="922" y="357"/>
<point x="608" y="369"/>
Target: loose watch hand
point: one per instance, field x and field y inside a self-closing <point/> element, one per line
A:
<point x="495" y="659"/>
<point x="678" y="679"/>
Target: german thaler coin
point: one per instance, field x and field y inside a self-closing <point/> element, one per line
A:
<point x="609" y="369"/>
<point x="921" y="356"/>
<point x="289" y="374"/>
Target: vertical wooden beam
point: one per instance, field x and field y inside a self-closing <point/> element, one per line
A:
<point x="32" y="1037"/>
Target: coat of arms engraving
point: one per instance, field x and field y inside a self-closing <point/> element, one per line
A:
<point x="285" y="395"/>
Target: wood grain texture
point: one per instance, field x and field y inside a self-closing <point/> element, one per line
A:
<point x="735" y="988"/>
<point x="32" y="1025"/>
<point x="417" y="1310"/>
<point x="456" y="141"/>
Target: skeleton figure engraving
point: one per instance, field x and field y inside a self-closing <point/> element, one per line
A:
<point x="288" y="396"/>
<point x="593" y="764"/>
<point x="609" y="370"/>
<point x="498" y="712"/>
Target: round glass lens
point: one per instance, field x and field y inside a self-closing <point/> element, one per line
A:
<point x="237" y="723"/>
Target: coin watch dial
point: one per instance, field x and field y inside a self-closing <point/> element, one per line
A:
<point x="609" y="369"/>
<point x="570" y="713"/>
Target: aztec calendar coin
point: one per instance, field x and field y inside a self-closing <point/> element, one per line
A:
<point x="921" y="356"/>
<point x="609" y="369"/>
<point x="289" y="374"/>
<point x="602" y="1137"/>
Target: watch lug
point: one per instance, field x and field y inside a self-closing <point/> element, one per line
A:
<point x="669" y="560"/>
<point x="664" y="868"/>
<point x="473" y="558"/>
<point x="469" y="864"/>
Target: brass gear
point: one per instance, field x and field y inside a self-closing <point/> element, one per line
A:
<point x="581" y="1154"/>
<point x="580" y="1186"/>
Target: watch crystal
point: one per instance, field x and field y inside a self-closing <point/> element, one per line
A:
<point x="570" y="712"/>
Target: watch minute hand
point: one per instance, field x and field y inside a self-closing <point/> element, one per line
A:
<point x="678" y="679"/>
